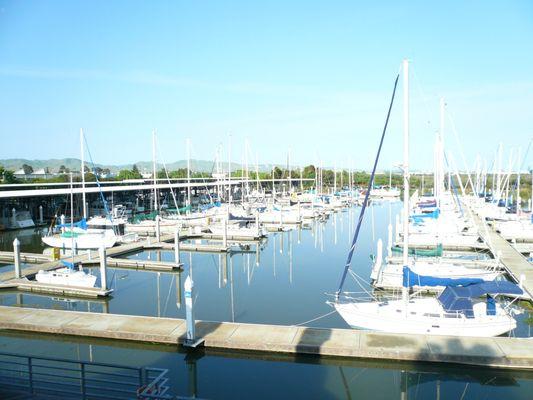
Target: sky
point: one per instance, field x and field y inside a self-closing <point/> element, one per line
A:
<point x="309" y="78"/>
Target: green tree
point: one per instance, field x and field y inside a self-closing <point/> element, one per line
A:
<point x="128" y="174"/>
<point x="28" y="169"/>
<point x="7" y="176"/>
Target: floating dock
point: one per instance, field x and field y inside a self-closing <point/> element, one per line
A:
<point x="500" y="352"/>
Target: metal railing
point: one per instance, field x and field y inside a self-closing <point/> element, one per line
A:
<point x="70" y="379"/>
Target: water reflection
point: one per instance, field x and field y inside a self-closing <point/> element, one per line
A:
<point x="229" y="375"/>
<point x="279" y="280"/>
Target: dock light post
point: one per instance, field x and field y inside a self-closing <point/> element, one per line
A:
<point x="16" y="256"/>
<point x="190" y="339"/>
<point x="103" y="266"/>
<point x="41" y="219"/>
<point x="177" y="248"/>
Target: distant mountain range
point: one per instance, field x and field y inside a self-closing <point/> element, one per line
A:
<point x="144" y="166"/>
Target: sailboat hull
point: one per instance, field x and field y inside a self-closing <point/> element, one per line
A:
<point x="424" y="317"/>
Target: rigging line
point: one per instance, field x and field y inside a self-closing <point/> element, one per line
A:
<point x="203" y="177"/>
<point x="108" y="214"/>
<point x="168" y="295"/>
<point x="168" y="177"/>
<point x="315" y="319"/>
<point x="367" y="194"/>
<point x="461" y="153"/>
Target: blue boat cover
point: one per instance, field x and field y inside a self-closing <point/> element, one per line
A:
<point x="80" y="224"/>
<point x="460" y="298"/>
<point x="434" y="214"/>
<point x="67" y="264"/>
<point x="411" y="278"/>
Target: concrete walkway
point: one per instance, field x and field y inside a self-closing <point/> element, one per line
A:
<point x="489" y="352"/>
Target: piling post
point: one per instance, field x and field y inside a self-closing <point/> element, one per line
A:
<point x="177" y="248"/>
<point x="16" y="255"/>
<point x="157" y="229"/>
<point x="389" y="242"/>
<point x="41" y="219"/>
<point x="103" y="267"/>
<point x="225" y="233"/>
<point x="14" y="218"/>
<point x="190" y="339"/>
<point x="75" y="248"/>
<point x="257" y="224"/>
<point x="397" y="236"/>
<point x="62" y="219"/>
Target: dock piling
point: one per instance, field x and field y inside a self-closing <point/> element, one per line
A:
<point x="16" y="254"/>
<point x="41" y="219"/>
<point x="177" y="248"/>
<point x="389" y="242"/>
<point x="103" y="267"/>
<point x="225" y="233"/>
<point x="157" y="229"/>
<point x="190" y="339"/>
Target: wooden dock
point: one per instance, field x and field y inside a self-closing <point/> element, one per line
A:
<point x="499" y="352"/>
<point x="29" y="258"/>
<point x="60" y="290"/>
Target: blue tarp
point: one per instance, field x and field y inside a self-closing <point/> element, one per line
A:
<point x="411" y="278"/>
<point x="434" y="214"/>
<point x="67" y="264"/>
<point x="80" y="224"/>
<point x="460" y="298"/>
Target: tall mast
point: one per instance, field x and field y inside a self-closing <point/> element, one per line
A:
<point x="188" y="172"/>
<point x="257" y="171"/>
<point x="405" y="162"/>
<point x="154" y="161"/>
<point x="82" y="151"/>
<point x="518" y="183"/>
<point x="498" y="182"/>
<point x="289" y="171"/>
<point x="229" y="169"/>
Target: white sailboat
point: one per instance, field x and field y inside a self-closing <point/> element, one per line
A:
<point x="457" y="311"/>
<point x="66" y="276"/>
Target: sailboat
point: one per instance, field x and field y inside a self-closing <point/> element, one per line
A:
<point x="459" y="310"/>
<point x="81" y="235"/>
<point x="67" y="276"/>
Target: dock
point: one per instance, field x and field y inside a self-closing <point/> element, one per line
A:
<point x="29" y="258"/>
<point x="499" y="352"/>
<point x="514" y="262"/>
<point x="60" y="290"/>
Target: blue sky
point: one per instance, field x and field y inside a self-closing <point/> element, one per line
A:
<point x="312" y="77"/>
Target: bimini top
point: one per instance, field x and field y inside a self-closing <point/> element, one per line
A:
<point x="460" y="298"/>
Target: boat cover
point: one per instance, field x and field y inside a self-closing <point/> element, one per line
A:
<point x="460" y="298"/>
<point x="411" y="278"/>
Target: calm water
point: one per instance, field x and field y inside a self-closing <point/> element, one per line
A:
<point x="225" y="375"/>
<point x="286" y="282"/>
